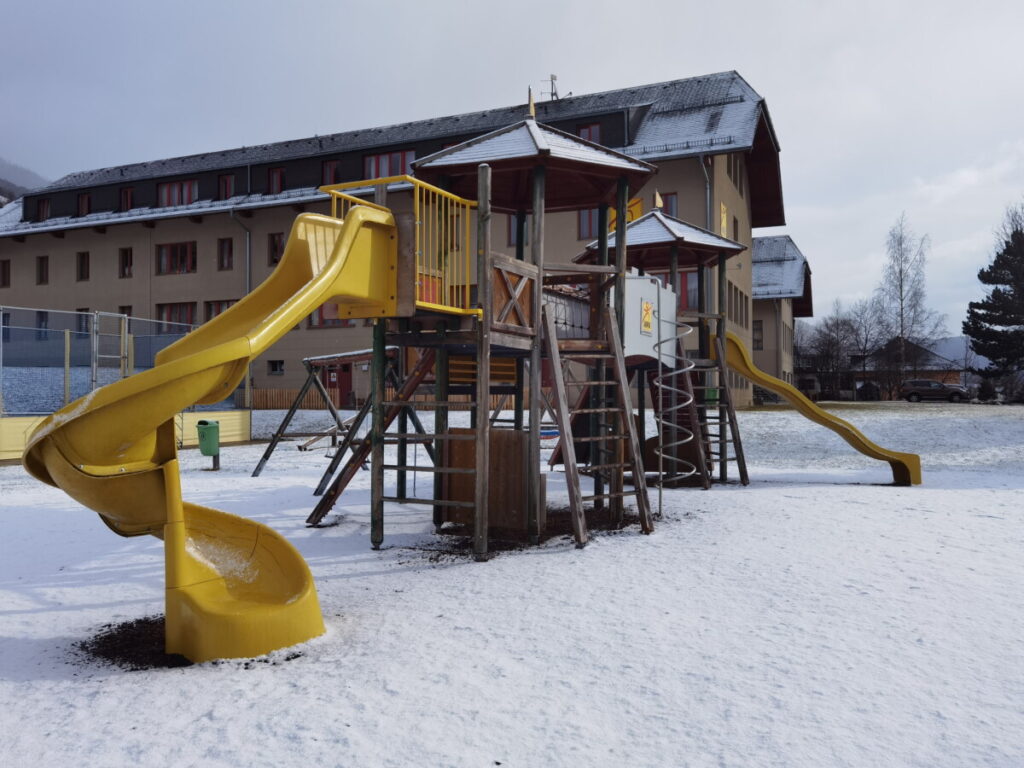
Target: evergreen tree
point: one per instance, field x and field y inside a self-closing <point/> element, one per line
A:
<point x="996" y="323"/>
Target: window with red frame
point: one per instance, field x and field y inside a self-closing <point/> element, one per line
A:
<point x="330" y="172"/>
<point x="225" y="186"/>
<point x="127" y="198"/>
<point x="590" y="132"/>
<point x="586" y="224"/>
<point x="225" y="254"/>
<point x="177" y="193"/>
<point x="686" y="290"/>
<point x="42" y="210"/>
<point x="275" y="181"/>
<point x="179" y="313"/>
<point x="388" y="164"/>
<point x="275" y="247"/>
<point x="84" y="204"/>
<point x="176" y="258"/>
<point x="214" y="308"/>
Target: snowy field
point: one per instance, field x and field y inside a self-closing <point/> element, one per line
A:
<point x="818" y="617"/>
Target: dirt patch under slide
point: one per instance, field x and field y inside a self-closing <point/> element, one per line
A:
<point x="139" y="645"/>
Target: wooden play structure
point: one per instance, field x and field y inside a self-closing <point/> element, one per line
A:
<point x="552" y="331"/>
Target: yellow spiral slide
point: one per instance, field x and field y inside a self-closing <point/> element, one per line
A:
<point x="906" y="467"/>
<point x="234" y="587"/>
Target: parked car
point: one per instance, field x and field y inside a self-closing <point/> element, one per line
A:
<point x="916" y="390"/>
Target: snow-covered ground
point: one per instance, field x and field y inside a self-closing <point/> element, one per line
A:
<point x="818" y="617"/>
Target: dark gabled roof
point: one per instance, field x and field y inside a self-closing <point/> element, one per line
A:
<point x="781" y="271"/>
<point x="696" y="115"/>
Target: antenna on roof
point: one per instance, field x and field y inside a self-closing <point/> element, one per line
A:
<point x="552" y="81"/>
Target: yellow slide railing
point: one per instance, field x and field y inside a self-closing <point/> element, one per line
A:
<point x="443" y="246"/>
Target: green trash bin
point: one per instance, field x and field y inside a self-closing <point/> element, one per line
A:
<point x="711" y="398"/>
<point x="209" y="437"/>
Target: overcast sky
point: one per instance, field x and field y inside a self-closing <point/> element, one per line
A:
<point x="880" y="107"/>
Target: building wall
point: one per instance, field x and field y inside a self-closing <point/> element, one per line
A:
<point x="776" y="355"/>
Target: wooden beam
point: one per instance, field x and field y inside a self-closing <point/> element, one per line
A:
<point x="483" y="369"/>
<point x="58" y="233"/>
<point x="100" y="230"/>
<point x="196" y="219"/>
<point x="149" y="224"/>
<point x="534" y="496"/>
<point x="377" y="370"/>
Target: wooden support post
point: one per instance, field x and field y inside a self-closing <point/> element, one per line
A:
<point x="534" y="496"/>
<point x="520" y="235"/>
<point x="440" y="427"/>
<point x="517" y="396"/>
<point x="483" y="366"/>
<point x="403" y="453"/>
<point x="622" y="208"/>
<point x="377" y="374"/>
<point x="598" y="394"/>
<point x="723" y="413"/>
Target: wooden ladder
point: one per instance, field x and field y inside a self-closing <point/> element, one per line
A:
<point x="723" y="432"/>
<point x="615" y="450"/>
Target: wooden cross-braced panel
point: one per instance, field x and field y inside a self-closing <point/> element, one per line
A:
<point x="514" y="289"/>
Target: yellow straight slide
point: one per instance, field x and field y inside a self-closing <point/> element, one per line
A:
<point x="234" y="587"/>
<point x="906" y="467"/>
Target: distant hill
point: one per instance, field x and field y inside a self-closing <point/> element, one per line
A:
<point x="16" y="180"/>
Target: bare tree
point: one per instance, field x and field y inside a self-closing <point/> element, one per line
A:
<point x="831" y="344"/>
<point x="901" y="293"/>
<point x="867" y="330"/>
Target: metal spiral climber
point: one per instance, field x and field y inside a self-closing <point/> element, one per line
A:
<point x="675" y="397"/>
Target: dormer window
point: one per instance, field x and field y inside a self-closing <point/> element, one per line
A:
<point x="388" y="164"/>
<point x="331" y="173"/>
<point x="226" y="186"/>
<point x="84" y="204"/>
<point x="127" y="198"/>
<point x="43" y="209"/>
<point x="590" y="132"/>
<point x="275" y="181"/>
<point x="177" y="193"/>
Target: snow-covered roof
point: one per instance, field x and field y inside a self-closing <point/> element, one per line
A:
<point x="656" y="228"/>
<point x="528" y="138"/>
<point x="778" y="268"/>
<point x="11" y="214"/>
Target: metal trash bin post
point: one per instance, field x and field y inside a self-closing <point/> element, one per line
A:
<point x="209" y="439"/>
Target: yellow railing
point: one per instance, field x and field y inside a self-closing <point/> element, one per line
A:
<point x="443" y="240"/>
